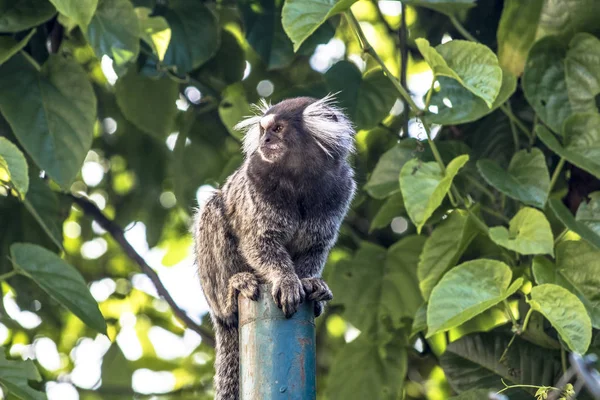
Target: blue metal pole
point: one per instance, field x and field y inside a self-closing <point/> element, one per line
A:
<point x="277" y="355"/>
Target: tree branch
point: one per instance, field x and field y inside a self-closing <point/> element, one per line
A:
<point x="402" y="43"/>
<point x="92" y="211"/>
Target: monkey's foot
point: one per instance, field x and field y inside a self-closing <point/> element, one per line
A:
<point x="288" y="293"/>
<point x="242" y="283"/>
<point x="316" y="289"/>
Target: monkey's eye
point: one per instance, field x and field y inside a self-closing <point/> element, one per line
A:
<point x="277" y="128"/>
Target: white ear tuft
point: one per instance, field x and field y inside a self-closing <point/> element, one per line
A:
<point x="332" y="134"/>
<point x="249" y="125"/>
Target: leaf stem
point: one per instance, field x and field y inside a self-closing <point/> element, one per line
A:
<point x="402" y="39"/>
<point x="461" y="29"/>
<point x="562" y="235"/>
<point x="509" y="312"/>
<point x="494" y="213"/>
<point x="513" y="129"/>
<point x="563" y="359"/>
<point x="525" y="386"/>
<point x="8" y="275"/>
<point x="532" y="137"/>
<point x="556" y="173"/>
<point x="367" y="48"/>
<point x="41" y="222"/>
<point x="527" y="318"/>
<point x="31" y="60"/>
<point x="516" y="120"/>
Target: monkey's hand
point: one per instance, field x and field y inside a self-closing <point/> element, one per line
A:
<point x="316" y="289"/>
<point x="244" y="283"/>
<point x="288" y="293"/>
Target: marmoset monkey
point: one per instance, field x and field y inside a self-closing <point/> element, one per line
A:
<point x="275" y="219"/>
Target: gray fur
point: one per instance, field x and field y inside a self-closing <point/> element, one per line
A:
<point x="275" y="219"/>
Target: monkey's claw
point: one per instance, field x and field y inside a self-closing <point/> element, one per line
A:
<point x="316" y="289"/>
<point x="288" y="293"/>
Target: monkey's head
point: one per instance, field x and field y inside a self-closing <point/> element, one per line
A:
<point x="298" y="130"/>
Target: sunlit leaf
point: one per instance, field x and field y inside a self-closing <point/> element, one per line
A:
<point x="527" y="178"/>
<point x="466" y="291"/>
<point x="14" y="376"/>
<point x="51" y="112"/>
<point x="234" y="107"/>
<point x="443" y="249"/>
<point x="80" y="11"/>
<point x="14" y="164"/>
<point x="115" y="31"/>
<point x="384" y="179"/>
<point x="60" y="280"/>
<point x="9" y="46"/>
<point x="581" y="141"/>
<point x="19" y="15"/>
<point x="566" y="314"/>
<point x="444" y="6"/>
<point x="529" y="233"/>
<point x="580" y="228"/>
<point x="155" y="31"/>
<point x="424" y="187"/>
<point x="473" y="65"/>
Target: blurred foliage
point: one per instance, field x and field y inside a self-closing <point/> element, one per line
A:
<point x="465" y="264"/>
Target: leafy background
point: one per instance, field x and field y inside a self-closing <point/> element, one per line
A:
<point x="469" y="262"/>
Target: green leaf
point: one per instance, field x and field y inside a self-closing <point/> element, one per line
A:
<point x="80" y="11"/>
<point x="115" y="31"/>
<point x="580" y="228"/>
<point x="48" y="209"/>
<point x="51" y="112"/>
<point x="366" y="99"/>
<point x="424" y="187"/>
<point x="577" y="269"/>
<point x="148" y="103"/>
<point x="364" y="369"/>
<point x="301" y="18"/>
<point x="568" y="17"/>
<point x="60" y="280"/>
<point x="517" y="33"/>
<point x="14" y="376"/>
<point x="566" y="314"/>
<point x="581" y="141"/>
<point x="467" y="291"/>
<point x="473" y="394"/>
<point x="456" y="105"/>
<point x="529" y="233"/>
<point x="473" y="363"/>
<point x="448" y="7"/>
<point x="582" y="68"/>
<point x="473" y="65"/>
<point x="443" y="249"/>
<point x="19" y="15"/>
<point x="9" y="47"/>
<point x="379" y="287"/>
<point x="544" y="82"/>
<point x="384" y="179"/>
<point x="233" y="107"/>
<point x="588" y="213"/>
<point x="15" y="165"/>
<point x="195" y="35"/>
<point x="155" y="31"/>
<point x="392" y="208"/>
<point x="526" y="180"/>
<point x="116" y="371"/>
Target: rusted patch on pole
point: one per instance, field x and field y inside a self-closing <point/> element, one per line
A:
<point x="277" y="355"/>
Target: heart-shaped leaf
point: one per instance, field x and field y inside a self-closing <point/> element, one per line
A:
<point x="195" y="34"/>
<point x="443" y="249"/>
<point x="14" y="376"/>
<point x="566" y="314"/>
<point x="448" y="7"/>
<point x="80" y="11"/>
<point x="384" y="179"/>
<point x="588" y="213"/>
<point x="582" y="68"/>
<point x="544" y="82"/>
<point x="467" y="291"/>
<point x="473" y="65"/>
<point x="15" y="165"/>
<point x="60" y="280"/>
<point x="529" y="233"/>
<point x="453" y="104"/>
<point x="527" y="179"/>
<point x="148" y="103"/>
<point x="301" y="18"/>
<point x="9" y="47"/>
<point x="580" y="228"/>
<point x="577" y="269"/>
<point x="424" y="187"/>
<point x="19" y="15"/>
<point x="115" y="31"/>
<point x="155" y="31"/>
<point x="392" y="208"/>
<point x="581" y="141"/>
<point x="51" y="112"/>
<point x="366" y="99"/>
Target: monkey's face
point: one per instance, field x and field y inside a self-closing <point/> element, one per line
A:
<point x="297" y="131"/>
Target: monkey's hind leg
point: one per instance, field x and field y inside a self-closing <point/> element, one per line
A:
<point x="244" y="283"/>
